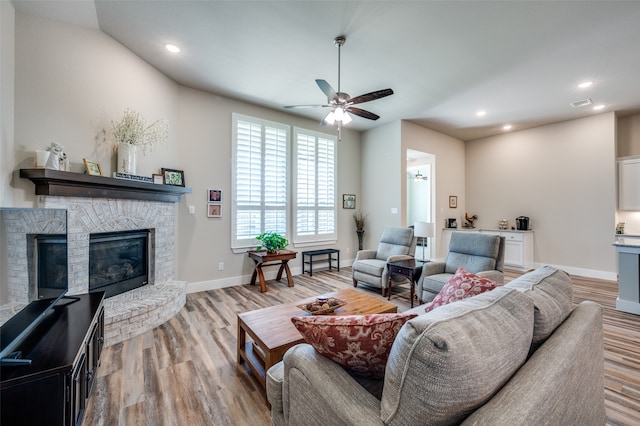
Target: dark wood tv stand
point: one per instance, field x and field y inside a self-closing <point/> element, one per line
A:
<point x="65" y="351"/>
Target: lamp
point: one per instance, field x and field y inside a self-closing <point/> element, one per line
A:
<point x="419" y="176"/>
<point x="423" y="230"/>
<point x="338" y="114"/>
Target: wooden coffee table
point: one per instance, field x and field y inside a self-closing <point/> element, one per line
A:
<point x="273" y="332"/>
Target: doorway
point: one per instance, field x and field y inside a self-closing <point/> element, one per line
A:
<point x="420" y="196"/>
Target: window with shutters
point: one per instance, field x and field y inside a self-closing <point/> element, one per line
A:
<point x="261" y="194"/>
<point x="315" y="187"/>
<point x="260" y="171"/>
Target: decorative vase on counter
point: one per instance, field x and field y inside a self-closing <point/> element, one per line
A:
<point x="127" y="155"/>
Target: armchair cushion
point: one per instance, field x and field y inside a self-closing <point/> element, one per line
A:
<point x="448" y="362"/>
<point x="461" y="285"/>
<point x="360" y="343"/>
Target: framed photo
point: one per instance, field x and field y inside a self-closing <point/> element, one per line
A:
<point x="214" y="195"/>
<point x="92" y="168"/>
<point x="214" y="210"/>
<point x="348" y="201"/>
<point x="453" y="202"/>
<point x="157" y="178"/>
<point x="173" y="177"/>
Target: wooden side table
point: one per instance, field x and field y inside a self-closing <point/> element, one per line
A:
<point x="263" y="258"/>
<point x="408" y="268"/>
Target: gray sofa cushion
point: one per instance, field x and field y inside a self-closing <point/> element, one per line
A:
<point x="448" y="362"/>
<point x="552" y="293"/>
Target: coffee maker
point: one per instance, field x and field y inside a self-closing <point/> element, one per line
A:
<point x="522" y="223"/>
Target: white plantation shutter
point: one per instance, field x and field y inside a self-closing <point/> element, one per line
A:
<point x="315" y="187"/>
<point x="259" y="179"/>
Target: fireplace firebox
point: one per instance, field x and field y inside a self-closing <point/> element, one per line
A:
<point x="118" y="261"/>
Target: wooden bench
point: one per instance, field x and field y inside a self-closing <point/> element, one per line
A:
<point x="324" y="252"/>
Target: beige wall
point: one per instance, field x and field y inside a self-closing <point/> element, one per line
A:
<point x="7" y="35"/>
<point x="563" y="177"/>
<point x="205" y="120"/>
<point x="449" y="173"/>
<point x="70" y="83"/>
<point x="70" y="96"/>
<point x="381" y="166"/>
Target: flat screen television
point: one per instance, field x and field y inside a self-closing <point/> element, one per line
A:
<point x="17" y="228"/>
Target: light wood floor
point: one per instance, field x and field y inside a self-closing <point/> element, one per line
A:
<point x="184" y="372"/>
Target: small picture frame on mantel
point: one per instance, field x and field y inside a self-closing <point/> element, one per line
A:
<point x="173" y="177"/>
<point x="92" y="168"/>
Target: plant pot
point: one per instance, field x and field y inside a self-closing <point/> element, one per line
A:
<point x="127" y="155"/>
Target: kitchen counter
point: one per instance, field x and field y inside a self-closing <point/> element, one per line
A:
<point x="628" y="275"/>
<point x="485" y="230"/>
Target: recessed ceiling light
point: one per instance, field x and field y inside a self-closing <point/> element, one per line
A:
<point x="598" y="107"/>
<point x="507" y="127"/>
<point x="172" y="48"/>
<point x="481" y="113"/>
<point x="585" y="84"/>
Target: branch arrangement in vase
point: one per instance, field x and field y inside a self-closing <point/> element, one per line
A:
<point x="133" y="130"/>
<point x="359" y="219"/>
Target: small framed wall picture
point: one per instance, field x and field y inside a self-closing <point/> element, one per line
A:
<point x="214" y="210"/>
<point x="348" y="201"/>
<point x="92" y="168"/>
<point x="173" y="177"/>
<point x="157" y="178"/>
<point x="214" y="195"/>
<point x="453" y="202"/>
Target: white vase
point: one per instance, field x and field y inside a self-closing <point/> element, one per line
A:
<point x="127" y="155"/>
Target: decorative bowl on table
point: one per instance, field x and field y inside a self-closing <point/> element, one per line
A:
<point x="322" y="305"/>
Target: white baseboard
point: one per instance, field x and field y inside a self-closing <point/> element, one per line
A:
<point x="245" y="279"/>
<point x="297" y="270"/>
<point x="582" y="272"/>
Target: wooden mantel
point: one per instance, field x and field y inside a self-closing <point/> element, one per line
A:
<point x="68" y="184"/>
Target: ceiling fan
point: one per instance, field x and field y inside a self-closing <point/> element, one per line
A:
<point x="341" y="103"/>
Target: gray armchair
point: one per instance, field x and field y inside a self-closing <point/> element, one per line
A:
<point x="370" y="266"/>
<point x="479" y="253"/>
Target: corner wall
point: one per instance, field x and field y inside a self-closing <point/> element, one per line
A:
<point x="563" y="177"/>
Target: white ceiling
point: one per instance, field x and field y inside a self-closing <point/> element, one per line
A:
<point x="520" y="61"/>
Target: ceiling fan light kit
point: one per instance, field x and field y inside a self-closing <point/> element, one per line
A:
<point x="340" y="102"/>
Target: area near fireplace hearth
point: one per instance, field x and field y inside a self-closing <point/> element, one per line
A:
<point x="118" y="211"/>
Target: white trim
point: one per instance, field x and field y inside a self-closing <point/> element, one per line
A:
<point x="246" y="279"/>
<point x="582" y="272"/>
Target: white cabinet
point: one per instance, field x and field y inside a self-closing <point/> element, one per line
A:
<point x="518" y="246"/>
<point x="629" y="183"/>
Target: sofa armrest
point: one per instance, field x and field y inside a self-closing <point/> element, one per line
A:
<point x="562" y="382"/>
<point x="398" y="257"/>
<point x="316" y="388"/>
<point x="496" y="276"/>
<point x="365" y="254"/>
<point x="433" y="268"/>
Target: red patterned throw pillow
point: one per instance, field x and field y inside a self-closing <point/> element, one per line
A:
<point x="361" y="343"/>
<point x="461" y="285"/>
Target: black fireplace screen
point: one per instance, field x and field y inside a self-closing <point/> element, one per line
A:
<point x="51" y="265"/>
<point x="118" y="261"/>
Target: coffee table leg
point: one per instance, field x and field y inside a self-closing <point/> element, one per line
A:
<point x="242" y="339"/>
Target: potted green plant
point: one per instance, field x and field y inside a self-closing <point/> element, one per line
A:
<point x="272" y="242"/>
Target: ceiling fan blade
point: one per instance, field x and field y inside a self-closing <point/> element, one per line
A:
<point x="363" y="113"/>
<point x="305" y="106"/>
<point x="327" y="89"/>
<point x="371" y="96"/>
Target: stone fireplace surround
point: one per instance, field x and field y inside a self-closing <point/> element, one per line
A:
<point x="137" y="311"/>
